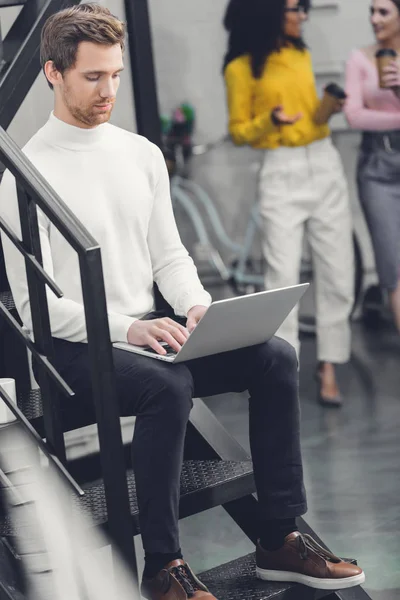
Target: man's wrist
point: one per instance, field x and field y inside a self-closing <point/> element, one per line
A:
<point x="191" y="300"/>
<point x="205" y="306"/>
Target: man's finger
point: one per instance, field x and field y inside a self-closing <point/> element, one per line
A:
<point x="168" y="338"/>
<point x="153" y="343"/>
<point x="177" y="334"/>
<point x="191" y="324"/>
<point x="181" y="328"/>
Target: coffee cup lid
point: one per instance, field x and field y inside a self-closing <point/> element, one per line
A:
<point x="335" y="90"/>
<point x="386" y="52"/>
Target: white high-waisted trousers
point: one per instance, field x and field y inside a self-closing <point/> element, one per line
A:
<point x="303" y="191"/>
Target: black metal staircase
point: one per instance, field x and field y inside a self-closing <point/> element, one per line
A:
<point x="21" y="52"/>
<point x="217" y="471"/>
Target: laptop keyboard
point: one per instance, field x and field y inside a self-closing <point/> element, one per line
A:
<point x="170" y="351"/>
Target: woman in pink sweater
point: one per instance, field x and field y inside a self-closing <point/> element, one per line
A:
<point x="376" y="112"/>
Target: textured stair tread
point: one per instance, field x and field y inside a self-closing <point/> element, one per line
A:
<point x="237" y="580"/>
<point x="197" y="475"/>
<point x="6" y="297"/>
<point x="31" y="404"/>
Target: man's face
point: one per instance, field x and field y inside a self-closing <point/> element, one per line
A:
<point x="86" y="93"/>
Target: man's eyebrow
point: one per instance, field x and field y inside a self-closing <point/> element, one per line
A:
<point x="102" y="72"/>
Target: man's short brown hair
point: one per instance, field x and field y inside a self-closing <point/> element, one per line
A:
<point x="66" y="29"/>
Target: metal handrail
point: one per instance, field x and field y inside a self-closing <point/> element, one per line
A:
<point x="44" y="195"/>
<point x="41" y="444"/>
<point x="33" y="191"/>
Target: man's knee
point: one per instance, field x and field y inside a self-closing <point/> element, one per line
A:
<point x="173" y="391"/>
<point x="285" y="354"/>
<point x="282" y="355"/>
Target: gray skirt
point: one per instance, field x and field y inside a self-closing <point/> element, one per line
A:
<point x="378" y="178"/>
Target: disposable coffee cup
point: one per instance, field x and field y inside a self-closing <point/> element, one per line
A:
<point x="8" y="386"/>
<point x="383" y="58"/>
<point x="333" y="93"/>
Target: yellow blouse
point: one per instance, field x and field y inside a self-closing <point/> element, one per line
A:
<point x="288" y="80"/>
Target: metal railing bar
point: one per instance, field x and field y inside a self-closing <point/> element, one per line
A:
<point x="22" y="54"/>
<point x="44" y="196"/>
<point x="31" y="258"/>
<point x="9" y="485"/>
<point x="106" y="405"/>
<point x="43" y="360"/>
<point x="42" y="445"/>
<point x="41" y="328"/>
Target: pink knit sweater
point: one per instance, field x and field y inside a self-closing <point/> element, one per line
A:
<point x="368" y="107"/>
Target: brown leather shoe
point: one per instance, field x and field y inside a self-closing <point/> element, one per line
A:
<point x="175" y="582"/>
<point x="302" y="560"/>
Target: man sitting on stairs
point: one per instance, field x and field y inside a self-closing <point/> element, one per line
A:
<point x="117" y="185"/>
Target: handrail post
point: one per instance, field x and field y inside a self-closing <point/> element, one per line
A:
<point x="41" y="324"/>
<point x="143" y="70"/>
<point x="106" y="406"/>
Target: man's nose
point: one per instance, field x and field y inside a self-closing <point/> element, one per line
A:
<point x="109" y="89"/>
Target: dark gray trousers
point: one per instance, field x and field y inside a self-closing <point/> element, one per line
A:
<point x="378" y="178"/>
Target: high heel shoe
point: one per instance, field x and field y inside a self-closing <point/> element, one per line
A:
<point x="327" y="401"/>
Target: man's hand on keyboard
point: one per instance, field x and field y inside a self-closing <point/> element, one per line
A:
<point x="150" y="333"/>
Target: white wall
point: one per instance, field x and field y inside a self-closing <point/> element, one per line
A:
<point x="189" y="44"/>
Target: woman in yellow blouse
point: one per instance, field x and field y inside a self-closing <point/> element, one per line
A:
<point x="273" y="101"/>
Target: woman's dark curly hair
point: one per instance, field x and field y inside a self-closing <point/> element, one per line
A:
<point x="256" y="27"/>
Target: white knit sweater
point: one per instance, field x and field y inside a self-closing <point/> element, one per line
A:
<point x="117" y="185"/>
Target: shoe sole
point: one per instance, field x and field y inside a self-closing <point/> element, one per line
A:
<point x="313" y="582"/>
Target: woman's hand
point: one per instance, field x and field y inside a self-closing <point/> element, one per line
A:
<point x="339" y="106"/>
<point x="279" y="117"/>
<point x="391" y="77"/>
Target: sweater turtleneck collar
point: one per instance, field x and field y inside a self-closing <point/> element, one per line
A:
<point x="60" y="133"/>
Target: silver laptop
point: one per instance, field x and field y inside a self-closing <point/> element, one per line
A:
<point x="231" y="324"/>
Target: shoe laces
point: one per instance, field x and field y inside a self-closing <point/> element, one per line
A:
<point x="306" y="543"/>
<point x="184" y="576"/>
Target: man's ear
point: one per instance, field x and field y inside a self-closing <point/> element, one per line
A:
<point x="53" y="76"/>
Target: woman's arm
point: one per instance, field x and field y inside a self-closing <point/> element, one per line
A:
<point x="357" y="114"/>
<point x="243" y="127"/>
